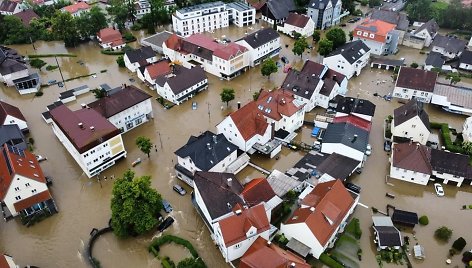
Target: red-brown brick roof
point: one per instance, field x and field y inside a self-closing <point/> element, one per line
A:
<point x="76" y="7"/>
<point x="159" y="68"/>
<point x="416" y="79"/>
<point x="174" y="42"/>
<point x="412" y="156"/>
<point x="297" y="20"/>
<point x="110" y="35"/>
<point x="223" y="51"/>
<point x="276" y="103"/>
<point x="379" y="28"/>
<point x="249" y="121"/>
<point x="257" y="191"/>
<point x="32" y="200"/>
<point x="354" y="120"/>
<point x="8" y="109"/>
<point x="26" y="16"/>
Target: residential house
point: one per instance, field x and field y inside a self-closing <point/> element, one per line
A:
<point x="465" y="60"/>
<point x="7" y="262"/>
<point x="336" y="166"/>
<point x="297" y="23"/>
<point x="149" y="73"/>
<point x="23" y="189"/>
<point x="349" y="59"/>
<point x="427" y="32"/>
<point x="467" y="129"/>
<point x="325" y="13"/>
<point x="449" y="46"/>
<point x="200" y="18"/>
<point x="241" y="14"/>
<point x="322" y="215"/>
<point x="12" y="136"/>
<point x="258" y="191"/>
<point x="415" y="83"/>
<point x="14" y="72"/>
<point x="453" y="98"/>
<point x="142" y="8"/>
<point x="386" y="234"/>
<point x="77" y="9"/>
<point x="434" y="60"/>
<point x="450" y="167"/>
<point x="381" y="37"/>
<point x="236" y="233"/>
<point x="126" y="108"/>
<point x="220" y="58"/>
<point x="206" y="152"/>
<point x="399" y="19"/>
<point x="139" y="57"/>
<point x="93" y="142"/>
<point x="264" y="254"/>
<point x="11" y="115"/>
<point x="26" y="16"/>
<point x="182" y="83"/>
<point x="411" y="162"/>
<point x="277" y="11"/>
<point x="361" y="108"/>
<point x="261" y="44"/>
<point x="8" y="7"/>
<point x="110" y="38"/>
<point x="216" y="196"/>
<point x="411" y="122"/>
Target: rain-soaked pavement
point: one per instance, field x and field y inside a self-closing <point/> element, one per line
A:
<point x="84" y="204"/>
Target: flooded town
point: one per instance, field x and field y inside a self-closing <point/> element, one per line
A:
<point x="263" y="154"/>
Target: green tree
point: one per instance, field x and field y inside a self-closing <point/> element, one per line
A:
<point x="255" y="95"/>
<point x="419" y="10"/>
<point x="268" y="67"/>
<point x="119" y="12"/>
<point x="351" y="35"/>
<point x="454" y="77"/>
<point x="90" y="23"/>
<point x="144" y="144"/>
<point x="316" y="36"/>
<point x="99" y="93"/>
<point x="191" y="263"/>
<point x="227" y="95"/>
<point x="467" y="146"/>
<point x="337" y="36"/>
<point x="37" y="63"/>
<point x="300" y="46"/>
<point x="296" y="35"/>
<point x="349" y="6"/>
<point x="459" y="244"/>
<point x="134" y="205"/>
<point x="374" y="3"/>
<point x="64" y="27"/>
<point x="443" y="233"/>
<point x="325" y="47"/>
<point x="414" y="65"/>
<point x="121" y="61"/>
<point x="12" y="31"/>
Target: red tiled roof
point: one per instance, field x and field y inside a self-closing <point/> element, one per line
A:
<point x="110" y="35"/>
<point x="412" y="156"/>
<point x="258" y="5"/>
<point x="174" y="42"/>
<point x="32" y="200"/>
<point x="3" y="262"/>
<point x="276" y="103"/>
<point x="379" y="28"/>
<point x="354" y="120"/>
<point x="297" y="20"/>
<point x="331" y="202"/>
<point x="261" y="254"/>
<point x="416" y="79"/>
<point x="26" y="16"/>
<point x="8" y="109"/>
<point x="76" y="7"/>
<point x="257" y="191"/>
<point x="83" y="138"/>
<point x="224" y="51"/>
<point x="234" y="228"/>
<point x="26" y="166"/>
<point x="159" y="68"/>
<point x="249" y="121"/>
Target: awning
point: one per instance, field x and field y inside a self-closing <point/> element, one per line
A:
<point x="298" y="247"/>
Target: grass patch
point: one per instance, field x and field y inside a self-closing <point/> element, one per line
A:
<point x="37" y="63"/>
<point x="51" y="55"/>
<point x="354" y="228"/>
<point x="51" y="67"/>
<point x="439" y="5"/>
<point x="154" y="248"/>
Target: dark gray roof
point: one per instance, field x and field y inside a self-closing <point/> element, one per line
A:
<point x="140" y="55"/>
<point x="280" y="8"/>
<point x="393" y="17"/>
<point x="466" y="57"/>
<point x="350" y="105"/>
<point x="408" y="111"/>
<point x="450" y="163"/>
<point x="404" y="217"/>
<point x="10" y="61"/>
<point x="327" y="88"/>
<point x="435" y="59"/>
<point x="388" y="236"/>
<point x="344" y="133"/>
<point x="182" y="78"/>
<point x="431" y="26"/>
<point x="8" y="6"/>
<point x="450" y="44"/>
<point x="300" y="84"/>
<point x="351" y="51"/>
<point x="12" y="135"/>
<point x="261" y="37"/>
<point x="206" y="150"/>
<point x="158" y="39"/>
<point x="320" y="4"/>
<point x="338" y="166"/>
<point x="218" y="195"/>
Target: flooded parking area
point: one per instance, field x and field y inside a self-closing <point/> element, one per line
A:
<point x="85" y="203"/>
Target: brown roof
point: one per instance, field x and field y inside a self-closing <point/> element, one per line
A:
<point x="331" y="202"/>
<point x="410" y="110"/>
<point x="32" y="200"/>
<point x="159" y="68"/>
<point x="379" y="28"/>
<point x="26" y="16"/>
<point x="110" y="35"/>
<point x="119" y="101"/>
<point x="234" y="228"/>
<point x="416" y="79"/>
<point x="249" y="121"/>
<point x="412" y="156"/>
<point x="297" y="20"/>
<point x="174" y="42"/>
<point x="224" y="51"/>
<point x="8" y="109"/>
<point x="8" y="6"/>
<point x="263" y="254"/>
<point x="257" y="191"/>
<point x="13" y="162"/>
<point x="276" y="103"/>
<point x="3" y="262"/>
<point x="76" y="7"/>
<point x="83" y="138"/>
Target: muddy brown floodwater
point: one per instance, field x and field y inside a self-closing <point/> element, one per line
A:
<point x="84" y="204"/>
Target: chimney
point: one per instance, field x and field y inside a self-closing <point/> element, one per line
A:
<point x="238" y="212"/>
<point x="229" y="182"/>
<point x="214" y="139"/>
<point x="92" y="128"/>
<point x="268" y="243"/>
<point x="255" y="36"/>
<point x="83" y="105"/>
<point x="292" y="264"/>
<point x="354" y="138"/>
<point x="81" y="125"/>
<point x="334" y="78"/>
<point x="209" y="146"/>
<point x="417" y="146"/>
<point x="312" y="209"/>
<point x="239" y="105"/>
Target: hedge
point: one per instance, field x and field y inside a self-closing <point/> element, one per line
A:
<point x="32" y="56"/>
<point x="354" y="228"/>
<point x="111" y="52"/>
<point x="330" y="262"/>
<point x="446" y="137"/>
<point x="170" y="238"/>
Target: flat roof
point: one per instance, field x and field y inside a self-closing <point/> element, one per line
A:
<point x="240" y="6"/>
<point x="456" y="95"/>
<point x="298" y="247"/>
<point x="200" y="7"/>
<point x="157" y="39"/>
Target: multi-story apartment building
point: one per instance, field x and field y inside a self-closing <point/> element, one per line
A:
<point x="325" y="13"/>
<point x="381" y="37"/>
<point x="200" y="18"/>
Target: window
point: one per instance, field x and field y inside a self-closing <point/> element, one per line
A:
<point x="33" y="191"/>
<point x="413" y="126"/>
<point x="237" y="246"/>
<point x="17" y="197"/>
<point x="17" y="188"/>
<point x="27" y="184"/>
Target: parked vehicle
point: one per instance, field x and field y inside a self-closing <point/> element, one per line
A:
<point x="387" y="146"/>
<point x="165" y="224"/>
<point x="179" y="189"/>
<point x="439" y="189"/>
<point x="351" y="21"/>
<point x="368" y="150"/>
<point x="353" y="187"/>
<point x="60" y="84"/>
<point x="40" y="158"/>
<point x="167" y="206"/>
<point x="159" y="217"/>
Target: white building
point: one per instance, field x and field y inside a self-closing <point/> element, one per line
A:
<point x="11" y="68"/>
<point x="450" y="167"/>
<point x="448" y="46"/>
<point x="277" y="11"/>
<point x="361" y="108"/>
<point x="453" y="98"/>
<point x="348" y="59"/>
<point x="8" y="7"/>
<point x="379" y="36"/>
<point x="410" y="121"/>
<point x="427" y="31"/>
<point x="262" y="44"/>
<point x="323" y="214"/>
<point x="93" y="142"/>
<point x="77" y="9"/>
<point x="241" y="14"/>
<point x="235" y="234"/>
<point x="411" y="162"/>
<point x="139" y="57"/>
<point x="467" y="129"/>
<point x="151" y="72"/>
<point x="11" y="115"/>
<point x="415" y="83"/>
<point x="110" y="38"/>
<point x="142" y="8"/>
<point x="126" y="108"/>
<point x="200" y="18"/>
<point x="297" y="23"/>
<point x="325" y="13"/>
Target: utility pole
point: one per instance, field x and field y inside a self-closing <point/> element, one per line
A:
<point x="160" y="140"/>
<point x="60" y="71"/>
<point x="208" y="111"/>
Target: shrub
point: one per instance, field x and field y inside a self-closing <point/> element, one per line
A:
<point x="167" y="262"/>
<point x="464" y="206"/>
<point x="129" y="37"/>
<point x="112" y="52"/>
<point x="170" y="238"/>
<point x="459" y="244"/>
<point x="443" y="233"/>
<point x="38" y="94"/>
<point x="51" y="67"/>
<point x="470" y="206"/>
<point x="414" y="65"/>
<point x="37" y="63"/>
<point x="424" y="220"/>
<point x="354" y="228"/>
<point x="375" y="210"/>
<point x="31" y="141"/>
<point x="330" y="262"/>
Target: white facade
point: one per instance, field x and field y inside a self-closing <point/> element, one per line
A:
<point x="467" y="129"/>
<point x="200" y="18"/>
<point x="167" y="93"/>
<point x="413" y="129"/>
<point x="11" y="120"/>
<point x="241" y="17"/>
<point x="288" y="123"/>
<point x="408" y="175"/>
<point x="8" y="78"/>
<point x="133" y="66"/>
<point x="376" y="47"/>
<point x="221" y="166"/>
<point x="306" y="31"/>
<point x="446" y="177"/>
<point x="424" y="34"/>
<point x="329" y="16"/>
<point x="22" y="188"/>
<point x="228" y="128"/>
<point x="448" y="54"/>
<point x="98" y="158"/>
<point x="133" y="116"/>
<point x="342" y="149"/>
<point x="267" y="50"/>
<point x="18" y="9"/>
<point x="465" y="66"/>
<point x="406" y="93"/>
<point x="143" y="7"/>
<point x="341" y="65"/>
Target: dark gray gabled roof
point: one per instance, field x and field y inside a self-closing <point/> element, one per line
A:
<point x="218" y="195"/>
<point x="393" y="17"/>
<point x="12" y="135"/>
<point x="338" y="166"/>
<point x="280" y="8"/>
<point x="431" y="26"/>
<point x="140" y="55"/>
<point x="321" y="4"/>
<point x="404" y="217"/>
<point x="434" y="59"/>
<point x="351" y="51"/>
<point x="408" y="111"/>
<point x="8" y="6"/>
<point x="182" y="78"/>
<point x="261" y="37"/>
<point x="450" y="163"/>
<point x="206" y="150"/>
<point x="300" y="84"/>
<point x="449" y="43"/>
<point x="388" y="236"/>
<point x="350" y="105"/>
<point x="347" y="134"/>
<point x="466" y="57"/>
